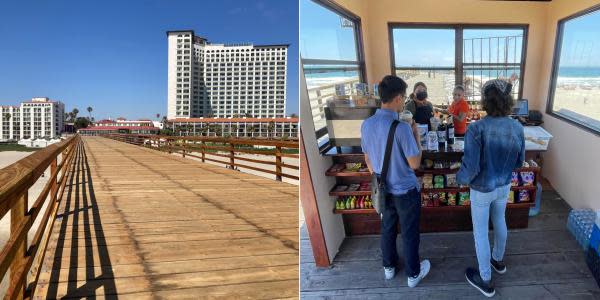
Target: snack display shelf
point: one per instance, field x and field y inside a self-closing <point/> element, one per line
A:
<point x="347" y="174"/>
<point x="445" y="190"/>
<point x="426" y="209"/>
<point x="420" y="172"/>
<point x="349" y="193"/>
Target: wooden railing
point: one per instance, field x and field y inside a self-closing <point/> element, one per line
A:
<point x="15" y="182"/>
<point x="210" y="148"/>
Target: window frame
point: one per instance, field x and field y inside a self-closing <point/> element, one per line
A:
<point x="458" y="45"/>
<point x="360" y="56"/>
<point x="555" y="66"/>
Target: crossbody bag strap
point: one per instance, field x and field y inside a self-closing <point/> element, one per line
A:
<point x="388" y="150"/>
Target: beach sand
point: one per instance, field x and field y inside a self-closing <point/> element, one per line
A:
<point x="581" y="101"/>
<point x="7" y="158"/>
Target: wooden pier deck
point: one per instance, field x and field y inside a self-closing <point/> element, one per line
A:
<point x="543" y="262"/>
<point x="138" y="223"/>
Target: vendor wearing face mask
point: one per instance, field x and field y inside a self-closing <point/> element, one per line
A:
<point x="418" y="105"/>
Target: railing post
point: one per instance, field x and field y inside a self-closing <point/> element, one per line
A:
<point x="53" y="187"/>
<point x="202" y="151"/>
<point x="231" y="156"/>
<point x="278" y="162"/>
<point x="17" y="215"/>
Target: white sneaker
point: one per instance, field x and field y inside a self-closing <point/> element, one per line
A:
<point x="389" y="273"/>
<point x="425" y="266"/>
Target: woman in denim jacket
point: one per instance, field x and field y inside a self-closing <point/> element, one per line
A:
<point x="494" y="146"/>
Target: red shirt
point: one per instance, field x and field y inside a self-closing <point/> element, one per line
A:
<point x="461" y="106"/>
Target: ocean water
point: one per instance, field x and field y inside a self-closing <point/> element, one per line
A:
<point x="579" y="72"/>
<point x="566" y="75"/>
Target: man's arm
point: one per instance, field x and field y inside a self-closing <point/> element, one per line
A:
<point x="414" y="161"/>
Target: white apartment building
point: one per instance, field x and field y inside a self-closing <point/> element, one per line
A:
<point x="217" y="80"/>
<point x="38" y="118"/>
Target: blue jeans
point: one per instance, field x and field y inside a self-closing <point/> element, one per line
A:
<point x="482" y="206"/>
<point x="405" y="208"/>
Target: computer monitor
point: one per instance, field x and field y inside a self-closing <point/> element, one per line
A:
<point x="521" y="108"/>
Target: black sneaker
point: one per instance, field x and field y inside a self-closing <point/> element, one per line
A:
<point x="498" y="266"/>
<point x="486" y="288"/>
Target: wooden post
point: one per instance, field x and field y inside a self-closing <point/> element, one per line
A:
<point x="231" y="156"/>
<point x="183" y="146"/>
<point x="168" y="142"/>
<point x="278" y="162"/>
<point x="203" y="152"/>
<point x="17" y="215"/>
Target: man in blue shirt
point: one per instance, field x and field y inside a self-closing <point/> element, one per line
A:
<point x="403" y="199"/>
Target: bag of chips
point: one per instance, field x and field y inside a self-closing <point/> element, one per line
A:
<point x="451" y="198"/>
<point x="511" y="197"/>
<point x="438" y="182"/>
<point x="442" y="197"/>
<point x="523" y="196"/>
<point x="425" y="199"/>
<point x="428" y="181"/>
<point x="451" y="180"/>
<point x="436" y="199"/>
<point x="514" y="180"/>
<point x="527" y="178"/>
<point x="463" y="198"/>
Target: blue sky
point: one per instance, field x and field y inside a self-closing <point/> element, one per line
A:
<point x="322" y="37"/>
<point x="112" y="55"/>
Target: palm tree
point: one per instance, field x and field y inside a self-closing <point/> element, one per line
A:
<point x="270" y="129"/>
<point x="89" y="109"/>
<point x="234" y="130"/>
<point x="293" y="116"/>
<point x="74" y="114"/>
<point x="158" y="116"/>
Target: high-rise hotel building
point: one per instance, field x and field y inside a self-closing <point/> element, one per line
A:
<point x="38" y="118"/>
<point x="217" y="80"/>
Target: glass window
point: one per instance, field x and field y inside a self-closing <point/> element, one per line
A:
<point x="426" y="55"/>
<point x="575" y="83"/>
<point x="429" y="55"/>
<point x="330" y="52"/>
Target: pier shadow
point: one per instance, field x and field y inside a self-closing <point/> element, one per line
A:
<point x="79" y="212"/>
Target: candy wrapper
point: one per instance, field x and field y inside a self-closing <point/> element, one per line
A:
<point x="438" y="182"/>
<point x="527" y="178"/>
<point x="514" y="181"/>
<point x="451" y="180"/>
<point x="428" y="181"/>
<point x="511" y="197"/>
<point x="463" y="198"/>
<point x="451" y="199"/>
<point x="523" y="196"/>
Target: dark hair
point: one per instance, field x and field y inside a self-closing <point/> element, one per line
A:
<point x="418" y="84"/>
<point x="390" y="87"/>
<point x="459" y="87"/>
<point x="496" y="103"/>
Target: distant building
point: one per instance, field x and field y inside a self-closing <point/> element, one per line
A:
<point x="120" y="126"/>
<point x="217" y="80"/>
<point x="235" y="127"/>
<point x="38" y="118"/>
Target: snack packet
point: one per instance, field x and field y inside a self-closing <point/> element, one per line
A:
<point x="451" y="198"/>
<point x="438" y="182"/>
<point x="527" y="178"/>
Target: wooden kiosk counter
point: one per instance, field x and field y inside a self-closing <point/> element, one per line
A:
<point x="444" y="204"/>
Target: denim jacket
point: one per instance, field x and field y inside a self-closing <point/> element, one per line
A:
<point x="494" y="147"/>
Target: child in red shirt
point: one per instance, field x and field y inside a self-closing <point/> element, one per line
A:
<point x="458" y="109"/>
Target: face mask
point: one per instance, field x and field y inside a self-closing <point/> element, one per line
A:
<point x="422" y="95"/>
